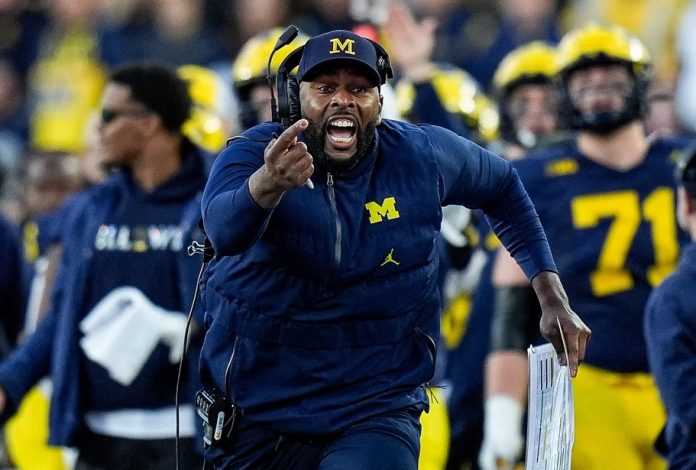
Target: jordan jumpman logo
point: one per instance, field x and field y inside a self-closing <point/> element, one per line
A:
<point x="390" y="258"/>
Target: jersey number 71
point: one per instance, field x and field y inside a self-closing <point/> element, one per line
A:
<point x="611" y="275"/>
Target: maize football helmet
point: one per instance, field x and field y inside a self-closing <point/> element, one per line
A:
<point x="460" y="94"/>
<point x="596" y="44"/>
<point x="532" y="63"/>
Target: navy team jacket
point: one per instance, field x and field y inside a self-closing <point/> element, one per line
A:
<point x="322" y="311"/>
<point x="53" y="349"/>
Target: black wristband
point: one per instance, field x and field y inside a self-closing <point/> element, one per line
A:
<point x="516" y="318"/>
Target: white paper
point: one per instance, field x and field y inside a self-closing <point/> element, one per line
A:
<point x="550" y="415"/>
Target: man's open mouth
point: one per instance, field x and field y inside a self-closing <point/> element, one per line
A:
<point x="342" y="132"/>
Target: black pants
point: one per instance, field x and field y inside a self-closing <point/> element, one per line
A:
<point x="97" y="452"/>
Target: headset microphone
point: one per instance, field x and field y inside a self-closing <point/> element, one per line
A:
<point x="286" y="38"/>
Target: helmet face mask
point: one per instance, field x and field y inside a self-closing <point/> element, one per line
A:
<point x="592" y="47"/>
<point x="527" y="97"/>
<point x="603" y="105"/>
<point x="255" y="104"/>
<point x="531" y="109"/>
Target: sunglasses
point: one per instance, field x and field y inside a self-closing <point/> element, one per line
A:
<point x="108" y="115"/>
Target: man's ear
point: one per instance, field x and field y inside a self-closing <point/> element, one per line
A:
<point x="150" y="123"/>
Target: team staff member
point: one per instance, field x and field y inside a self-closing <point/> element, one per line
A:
<point x="670" y="329"/>
<point x="606" y="200"/>
<point x="113" y="335"/>
<point x="322" y="303"/>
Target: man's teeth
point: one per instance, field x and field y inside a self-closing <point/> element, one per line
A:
<point x="342" y="140"/>
<point x="342" y="123"/>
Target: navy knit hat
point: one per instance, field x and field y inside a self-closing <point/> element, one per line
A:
<point x="339" y="45"/>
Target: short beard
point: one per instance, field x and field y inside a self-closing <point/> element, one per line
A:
<point x="315" y="138"/>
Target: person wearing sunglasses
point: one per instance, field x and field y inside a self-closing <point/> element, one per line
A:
<point x="113" y="337"/>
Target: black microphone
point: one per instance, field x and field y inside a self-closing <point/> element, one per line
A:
<point x="286" y="38"/>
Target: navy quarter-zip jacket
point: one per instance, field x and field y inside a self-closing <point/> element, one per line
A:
<point x="322" y="311"/>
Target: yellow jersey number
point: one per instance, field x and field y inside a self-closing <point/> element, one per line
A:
<point x="611" y="276"/>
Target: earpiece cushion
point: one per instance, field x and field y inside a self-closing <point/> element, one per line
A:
<point x="293" y="93"/>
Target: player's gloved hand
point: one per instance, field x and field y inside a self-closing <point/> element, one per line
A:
<point x="502" y="433"/>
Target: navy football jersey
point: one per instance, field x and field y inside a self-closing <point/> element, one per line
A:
<point x="614" y="236"/>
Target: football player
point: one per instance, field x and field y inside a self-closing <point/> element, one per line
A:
<point x="606" y="200"/>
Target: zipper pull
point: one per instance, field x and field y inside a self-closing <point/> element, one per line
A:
<point x="329" y="179"/>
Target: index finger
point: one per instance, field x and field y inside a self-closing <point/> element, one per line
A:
<point x="585" y="335"/>
<point x="565" y="340"/>
<point x="287" y="138"/>
<point x="572" y="345"/>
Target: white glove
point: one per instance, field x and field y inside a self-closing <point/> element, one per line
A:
<point x="117" y="334"/>
<point x="171" y="327"/>
<point x="123" y="329"/>
<point x="502" y="433"/>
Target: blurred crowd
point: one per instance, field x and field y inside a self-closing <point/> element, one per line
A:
<point x="55" y="55"/>
<point x="457" y="63"/>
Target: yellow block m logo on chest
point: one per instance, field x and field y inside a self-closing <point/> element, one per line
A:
<point x="346" y="46"/>
<point x="380" y="211"/>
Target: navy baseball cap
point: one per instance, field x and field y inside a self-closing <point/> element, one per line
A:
<point x="339" y="45"/>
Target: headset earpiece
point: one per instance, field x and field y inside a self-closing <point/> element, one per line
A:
<point x="294" y="111"/>
<point x="287" y="88"/>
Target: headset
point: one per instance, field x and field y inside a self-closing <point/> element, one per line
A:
<point x="287" y="111"/>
